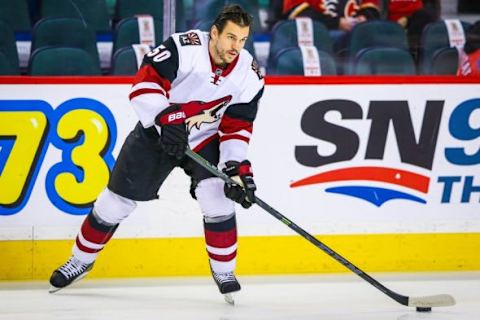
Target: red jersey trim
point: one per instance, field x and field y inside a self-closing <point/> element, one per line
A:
<point x="145" y="91"/>
<point x="234" y="136"/>
<point x="232" y="125"/>
<point x="202" y="144"/>
<point x="148" y="74"/>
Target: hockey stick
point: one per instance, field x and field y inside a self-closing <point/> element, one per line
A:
<point x="421" y="303"/>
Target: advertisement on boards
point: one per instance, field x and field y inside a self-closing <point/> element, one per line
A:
<point x="335" y="158"/>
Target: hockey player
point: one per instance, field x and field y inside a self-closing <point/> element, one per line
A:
<point x="197" y="90"/>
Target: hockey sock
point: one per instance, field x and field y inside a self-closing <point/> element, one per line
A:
<point x="221" y="239"/>
<point x="91" y="239"/>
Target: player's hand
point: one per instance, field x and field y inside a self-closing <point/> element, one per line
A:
<point x="174" y="136"/>
<point x="243" y="191"/>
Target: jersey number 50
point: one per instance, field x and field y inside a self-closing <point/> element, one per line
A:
<point x="159" y="54"/>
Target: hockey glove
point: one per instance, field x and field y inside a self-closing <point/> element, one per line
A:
<point x="243" y="191"/>
<point x="174" y="137"/>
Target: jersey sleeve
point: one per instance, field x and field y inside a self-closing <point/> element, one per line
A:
<point x="150" y="90"/>
<point x="236" y="129"/>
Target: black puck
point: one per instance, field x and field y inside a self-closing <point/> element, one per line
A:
<point x="424" y="309"/>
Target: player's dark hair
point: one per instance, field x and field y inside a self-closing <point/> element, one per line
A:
<point x="235" y="14"/>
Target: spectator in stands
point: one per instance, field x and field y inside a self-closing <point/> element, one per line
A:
<point x="469" y="64"/>
<point x="335" y="14"/>
<point x="413" y="15"/>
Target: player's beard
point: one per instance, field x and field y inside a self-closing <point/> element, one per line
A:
<point x="223" y="55"/>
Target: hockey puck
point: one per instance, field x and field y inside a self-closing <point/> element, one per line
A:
<point x="422" y="309"/>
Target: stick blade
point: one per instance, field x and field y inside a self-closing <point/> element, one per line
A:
<point x="439" y="300"/>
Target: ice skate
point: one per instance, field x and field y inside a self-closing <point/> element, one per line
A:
<point x="73" y="270"/>
<point x="227" y="284"/>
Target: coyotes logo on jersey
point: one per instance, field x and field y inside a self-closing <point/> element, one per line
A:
<point x="199" y="112"/>
<point x="190" y="39"/>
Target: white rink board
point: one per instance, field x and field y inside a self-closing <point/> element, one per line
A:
<point x="277" y="132"/>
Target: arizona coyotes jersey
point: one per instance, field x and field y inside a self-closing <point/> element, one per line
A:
<point x="219" y="103"/>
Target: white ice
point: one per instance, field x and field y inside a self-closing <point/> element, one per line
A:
<point x="319" y="297"/>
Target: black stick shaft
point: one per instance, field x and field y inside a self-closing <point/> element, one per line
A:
<point x="214" y="170"/>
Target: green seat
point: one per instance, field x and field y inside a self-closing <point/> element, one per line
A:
<point x="15" y="14"/>
<point x="434" y="37"/>
<point x="94" y="12"/>
<point x="129" y="8"/>
<point x="376" y="33"/>
<point x="6" y="66"/>
<point x="208" y="10"/>
<point x="127" y="33"/>
<point x="62" y="61"/>
<point x="8" y="48"/>
<point x="111" y="4"/>
<point x="384" y="61"/>
<point x="206" y="25"/>
<point x="289" y="61"/>
<point x="445" y="62"/>
<point x="284" y="35"/>
<point x="124" y="62"/>
<point x="67" y="32"/>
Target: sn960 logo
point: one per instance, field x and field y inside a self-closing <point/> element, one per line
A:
<point x="82" y="132"/>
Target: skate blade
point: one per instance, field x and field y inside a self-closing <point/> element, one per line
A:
<point x="55" y="289"/>
<point x="229" y="298"/>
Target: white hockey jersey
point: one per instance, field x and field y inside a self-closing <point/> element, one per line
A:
<point x="181" y="71"/>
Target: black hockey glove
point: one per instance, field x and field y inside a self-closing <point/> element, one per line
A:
<point x="244" y="191"/>
<point x="174" y="137"/>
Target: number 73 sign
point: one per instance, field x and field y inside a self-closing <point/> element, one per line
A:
<point x="83" y="130"/>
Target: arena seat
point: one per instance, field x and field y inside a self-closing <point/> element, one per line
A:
<point x="445" y="62"/>
<point x="66" y="32"/>
<point x="15" y="14"/>
<point x="124" y="62"/>
<point x="376" y="33"/>
<point x="129" y="8"/>
<point x="434" y="37"/>
<point x="94" y="12"/>
<point x="8" y="49"/>
<point x="383" y="61"/>
<point x="58" y="61"/>
<point x="127" y="33"/>
<point x="284" y="35"/>
<point x="289" y="61"/>
<point x="6" y="67"/>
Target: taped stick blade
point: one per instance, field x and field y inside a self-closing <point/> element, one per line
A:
<point x="439" y="300"/>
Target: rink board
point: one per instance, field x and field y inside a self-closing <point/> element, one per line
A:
<point x="351" y="160"/>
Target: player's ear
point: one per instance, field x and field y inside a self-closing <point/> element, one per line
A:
<point x="214" y="32"/>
